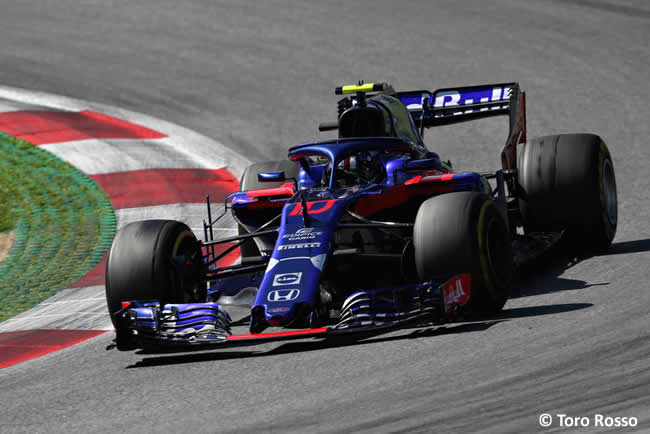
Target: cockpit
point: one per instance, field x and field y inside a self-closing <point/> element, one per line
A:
<point x="375" y="130"/>
<point x="361" y="168"/>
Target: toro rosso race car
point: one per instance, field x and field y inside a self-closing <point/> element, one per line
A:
<point x="367" y="231"/>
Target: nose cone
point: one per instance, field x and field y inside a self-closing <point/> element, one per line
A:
<point x="290" y="314"/>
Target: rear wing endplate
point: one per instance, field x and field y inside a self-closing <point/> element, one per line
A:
<point x="452" y="105"/>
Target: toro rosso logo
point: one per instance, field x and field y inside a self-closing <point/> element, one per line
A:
<point x="287" y="279"/>
<point x="283" y="295"/>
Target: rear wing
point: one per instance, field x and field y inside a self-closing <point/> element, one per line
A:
<point x="461" y="104"/>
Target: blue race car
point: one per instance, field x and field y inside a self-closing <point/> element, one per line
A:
<point x="367" y="231"/>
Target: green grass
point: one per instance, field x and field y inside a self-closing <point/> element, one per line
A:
<point x="63" y="224"/>
<point x="6" y="208"/>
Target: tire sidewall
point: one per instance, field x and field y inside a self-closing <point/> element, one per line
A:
<point x="609" y="225"/>
<point x="495" y="267"/>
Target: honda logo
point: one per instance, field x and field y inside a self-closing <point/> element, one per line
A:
<point x="283" y="294"/>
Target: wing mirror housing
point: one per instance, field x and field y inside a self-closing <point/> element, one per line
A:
<point x="271" y="177"/>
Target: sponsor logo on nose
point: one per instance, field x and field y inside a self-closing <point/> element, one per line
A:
<point x="299" y="246"/>
<point x="287" y="279"/>
<point x="283" y="295"/>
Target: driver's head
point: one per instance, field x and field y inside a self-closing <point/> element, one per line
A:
<point x="370" y="170"/>
<point x="359" y="169"/>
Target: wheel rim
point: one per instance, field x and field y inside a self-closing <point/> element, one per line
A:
<point x="609" y="191"/>
<point x="185" y="243"/>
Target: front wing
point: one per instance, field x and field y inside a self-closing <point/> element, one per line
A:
<point x="147" y="324"/>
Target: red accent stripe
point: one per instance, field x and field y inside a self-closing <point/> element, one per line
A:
<point x="327" y="204"/>
<point x="283" y="190"/>
<point x="16" y="347"/>
<point x="413" y="180"/>
<point x="399" y="195"/>
<point x="427" y="178"/>
<point x="43" y="127"/>
<point x="278" y="334"/>
<point x="140" y="188"/>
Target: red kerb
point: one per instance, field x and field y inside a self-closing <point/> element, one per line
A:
<point x="16" y="347"/>
<point x="41" y="127"/>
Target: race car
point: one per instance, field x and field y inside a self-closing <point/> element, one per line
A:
<point x="367" y="231"/>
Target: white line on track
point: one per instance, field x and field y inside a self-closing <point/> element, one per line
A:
<point x="192" y="214"/>
<point x="100" y="156"/>
<point x="74" y="301"/>
<point x="55" y="314"/>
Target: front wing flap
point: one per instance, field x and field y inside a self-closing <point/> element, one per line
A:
<point x="391" y="306"/>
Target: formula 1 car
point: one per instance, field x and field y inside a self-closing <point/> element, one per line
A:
<point x="367" y="231"/>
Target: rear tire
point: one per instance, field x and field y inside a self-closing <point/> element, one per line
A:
<point x="464" y="232"/>
<point x="567" y="182"/>
<point x="249" y="182"/>
<point x="143" y="265"/>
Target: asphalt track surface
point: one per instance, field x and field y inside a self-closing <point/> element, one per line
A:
<point x="258" y="77"/>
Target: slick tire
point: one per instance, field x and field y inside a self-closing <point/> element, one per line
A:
<point x="144" y="262"/>
<point x="464" y="232"/>
<point x="567" y="182"/>
<point x="249" y="182"/>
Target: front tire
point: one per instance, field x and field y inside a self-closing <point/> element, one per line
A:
<point x="154" y="260"/>
<point x="464" y="232"/>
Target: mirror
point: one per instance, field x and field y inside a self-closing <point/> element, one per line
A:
<point x="270" y="176"/>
